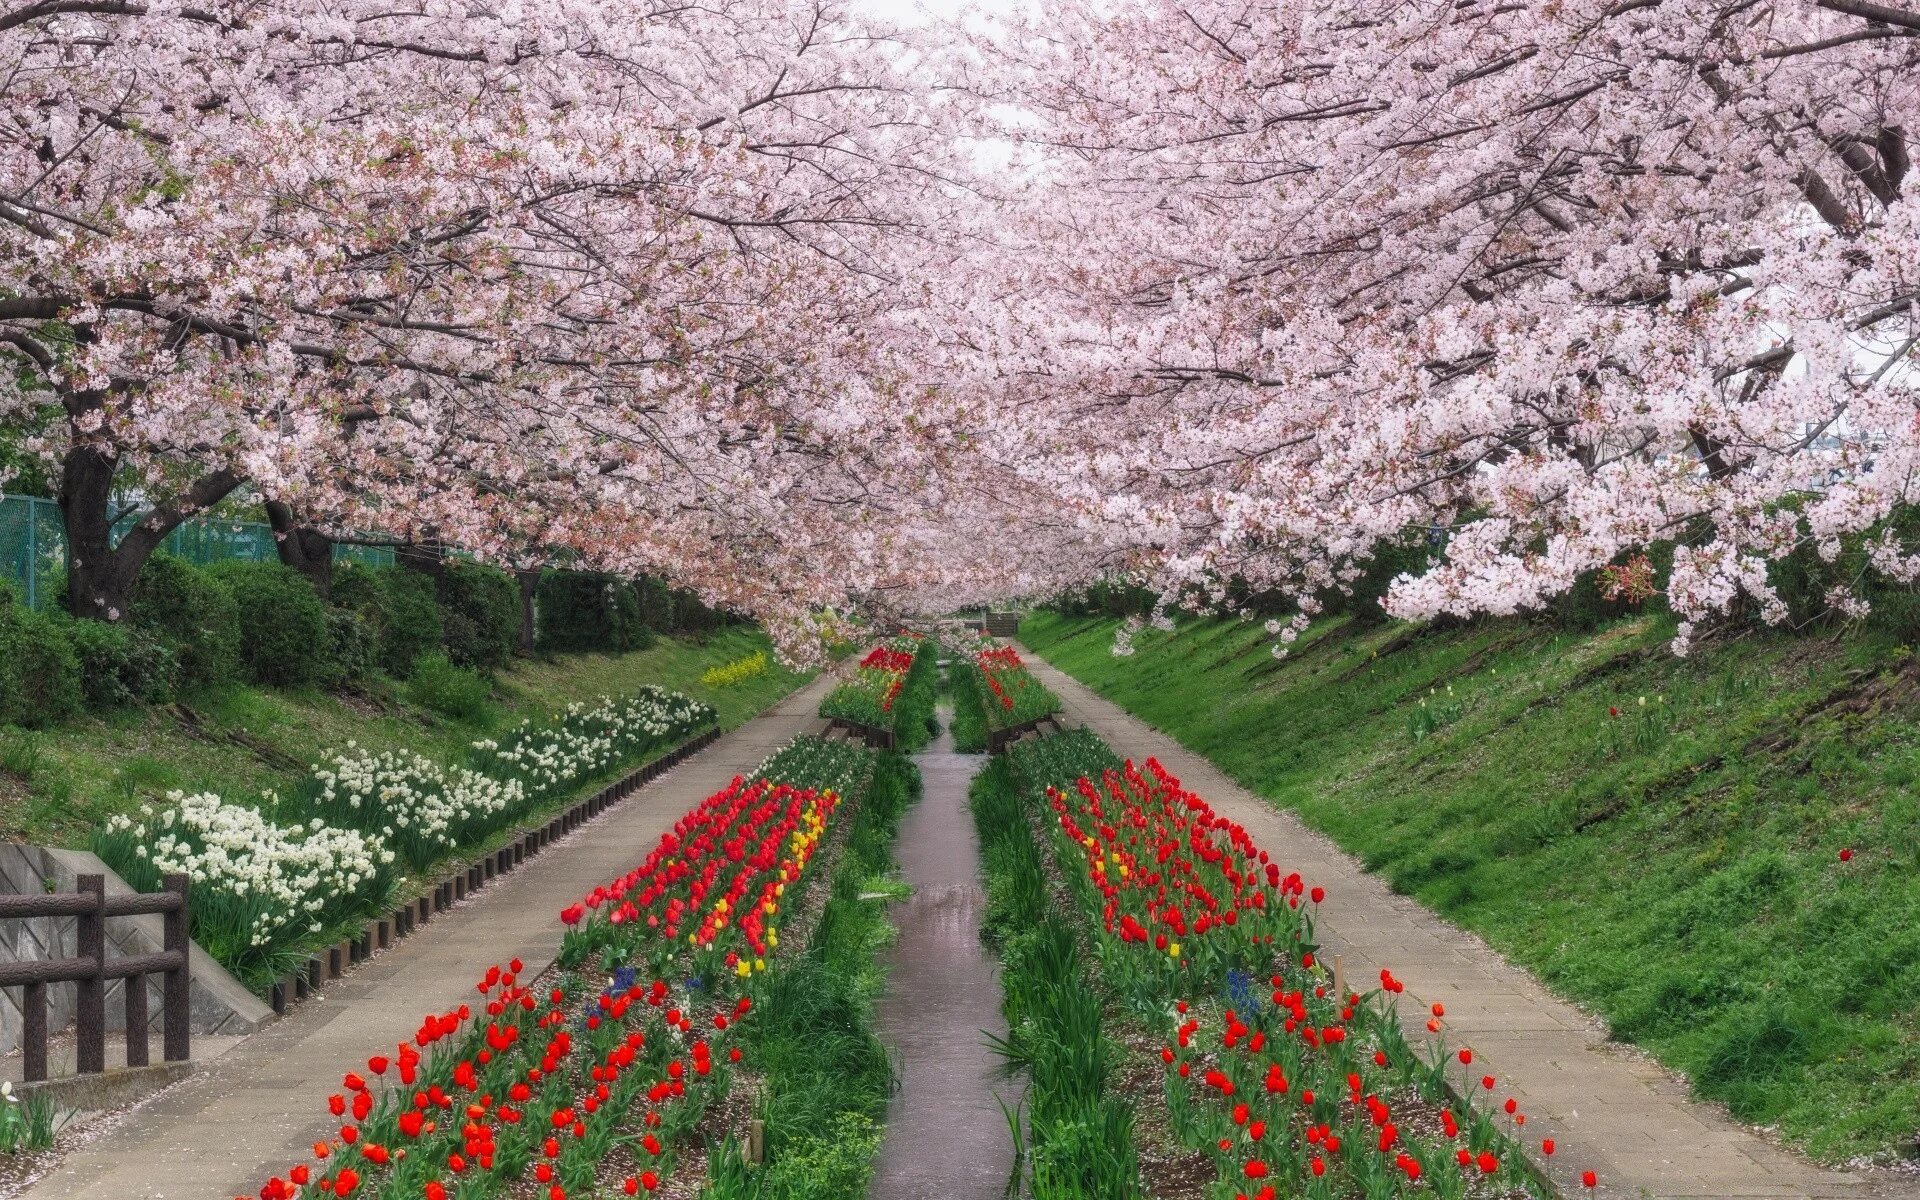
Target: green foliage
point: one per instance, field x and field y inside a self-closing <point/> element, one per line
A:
<point x="397" y="606"/>
<point x="584" y="612"/>
<point x="913" y="713"/>
<point x="834" y="1164"/>
<point x="969" y="724"/>
<point x="353" y="648"/>
<point x="40" y="676"/>
<point x="452" y="691"/>
<point x="480" y="614"/>
<point x="194" y="615"/>
<point x="283" y="624"/>
<point x="122" y="664"/>
<point x="670" y="610"/>
<point x="27" y="1125"/>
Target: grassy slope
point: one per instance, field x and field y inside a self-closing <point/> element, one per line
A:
<point x="55" y="786"/>
<point x="1675" y="868"/>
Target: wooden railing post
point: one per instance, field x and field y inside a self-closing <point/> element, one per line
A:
<point x="90" y="1013"/>
<point x="177" y="991"/>
<point x="33" y="1038"/>
<point x="135" y="990"/>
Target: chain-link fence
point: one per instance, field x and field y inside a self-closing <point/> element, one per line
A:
<point x="33" y="546"/>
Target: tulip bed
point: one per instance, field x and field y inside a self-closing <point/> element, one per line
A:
<point x="589" y="1080"/>
<point x="270" y="877"/>
<point x="1288" y="1088"/>
<point x="1013" y="696"/>
<point x="892" y="689"/>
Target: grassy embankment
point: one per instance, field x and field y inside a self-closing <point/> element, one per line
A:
<point x="57" y="785"/>
<point x="1675" y="867"/>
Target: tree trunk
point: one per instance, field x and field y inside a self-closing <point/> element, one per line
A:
<point x="529" y="582"/>
<point x="101" y="574"/>
<point x="302" y="547"/>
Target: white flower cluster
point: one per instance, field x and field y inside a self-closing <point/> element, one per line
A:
<point x="257" y="884"/>
<point x="427" y="809"/>
<point x="280" y="875"/>
<point x="584" y="740"/>
<point x="415" y="802"/>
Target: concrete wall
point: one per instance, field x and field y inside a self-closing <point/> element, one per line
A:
<point x="221" y="1005"/>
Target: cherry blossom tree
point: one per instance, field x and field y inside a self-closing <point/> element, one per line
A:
<point x="440" y="275"/>
<point x="1555" y="281"/>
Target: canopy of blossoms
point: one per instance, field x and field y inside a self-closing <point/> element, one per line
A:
<point x="803" y="310"/>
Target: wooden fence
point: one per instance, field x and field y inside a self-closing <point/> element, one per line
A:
<point x="91" y="970"/>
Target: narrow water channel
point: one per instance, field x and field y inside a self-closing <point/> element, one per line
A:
<point x="945" y="1136"/>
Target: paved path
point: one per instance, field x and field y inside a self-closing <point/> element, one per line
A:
<point x="1607" y="1109"/>
<point x="946" y="1137"/>
<point x="259" y="1108"/>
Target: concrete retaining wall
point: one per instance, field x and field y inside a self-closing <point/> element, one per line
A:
<point x="221" y="1005"/>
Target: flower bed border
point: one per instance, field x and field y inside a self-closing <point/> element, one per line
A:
<point x="336" y="960"/>
<point x="999" y="741"/>
<point x="874" y="736"/>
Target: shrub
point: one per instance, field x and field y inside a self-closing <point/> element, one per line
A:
<point x="193" y="615"/>
<point x="582" y="611"/>
<point x="283" y="623"/>
<point x="122" y="664"/>
<point x="451" y="691"/>
<point x="398" y="608"/>
<point x="353" y="646"/>
<point x="39" y="671"/>
<point x="480" y="613"/>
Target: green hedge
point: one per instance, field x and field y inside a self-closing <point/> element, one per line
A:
<point x="121" y="665"/>
<point x="183" y="607"/>
<point x="398" y="609"/>
<point x="584" y="611"/>
<point x="190" y="629"/>
<point x="39" y="670"/>
<point x="283" y="624"/>
<point x="480" y="614"/>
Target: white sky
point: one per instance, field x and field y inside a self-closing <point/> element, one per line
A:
<point x="909" y="9"/>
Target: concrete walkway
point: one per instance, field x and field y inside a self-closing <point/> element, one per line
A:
<point x="1607" y="1109"/>
<point x="946" y="1137"/>
<point x="262" y="1105"/>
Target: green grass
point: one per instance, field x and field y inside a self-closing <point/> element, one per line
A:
<point x="969" y="719"/>
<point x="57" y="785"/>
<point x="1674" y="867"/>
